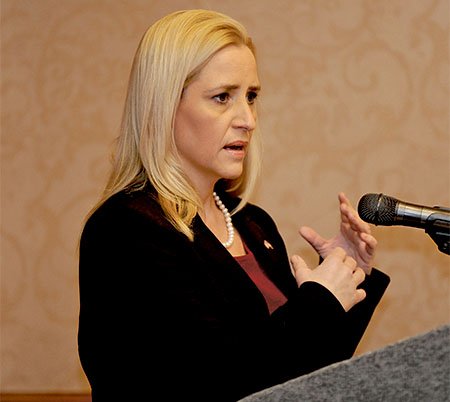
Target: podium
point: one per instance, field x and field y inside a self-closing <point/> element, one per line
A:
<point x="416" y="369"/>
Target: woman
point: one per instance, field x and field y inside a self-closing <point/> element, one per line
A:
<point x="186" y="289"/>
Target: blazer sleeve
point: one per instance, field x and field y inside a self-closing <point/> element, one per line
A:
<point x="312" y="319"/>
<point x="359" y="316"/>
<point x="318" y="329"/>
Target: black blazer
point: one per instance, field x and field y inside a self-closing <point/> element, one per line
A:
<point x="166" y="319"/>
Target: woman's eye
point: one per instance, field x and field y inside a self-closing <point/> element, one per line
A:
<point x="251" y="97"/>
<point x="222" y="98"/>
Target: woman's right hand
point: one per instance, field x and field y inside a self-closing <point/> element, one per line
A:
<point x="338" y="273"/>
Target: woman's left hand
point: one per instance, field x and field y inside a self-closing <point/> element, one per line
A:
<point x="354" y="237"/>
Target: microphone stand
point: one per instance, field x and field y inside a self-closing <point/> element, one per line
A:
<point x="438" y="228"/>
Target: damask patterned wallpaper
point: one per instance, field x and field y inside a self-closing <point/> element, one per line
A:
<point x="355" y="98"/>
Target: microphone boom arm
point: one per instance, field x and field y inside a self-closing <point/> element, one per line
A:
<point x="438" y="228"/>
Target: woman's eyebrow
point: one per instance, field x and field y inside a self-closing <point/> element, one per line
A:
<point x="227" y="87"/>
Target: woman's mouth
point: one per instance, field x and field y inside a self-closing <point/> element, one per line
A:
<point x="236" y="148"/>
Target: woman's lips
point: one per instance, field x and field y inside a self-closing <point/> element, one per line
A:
<point x="236" y="148"/>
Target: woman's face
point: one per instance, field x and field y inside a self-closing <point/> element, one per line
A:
<point x="216" y="117"/>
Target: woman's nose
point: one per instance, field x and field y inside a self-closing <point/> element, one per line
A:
<point x="246" y="116"/>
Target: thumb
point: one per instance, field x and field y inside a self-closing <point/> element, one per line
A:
<point x="312" y="237"/>
<point x="300" y="269"/>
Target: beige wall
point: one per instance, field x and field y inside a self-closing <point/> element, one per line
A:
<point x="355" y="98"/>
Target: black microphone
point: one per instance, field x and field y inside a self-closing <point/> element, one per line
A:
<point x="380" y="209"/>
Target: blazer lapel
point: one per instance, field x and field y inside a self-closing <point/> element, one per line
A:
<point x="271" y="260"/>
<point x="225" y="273"/>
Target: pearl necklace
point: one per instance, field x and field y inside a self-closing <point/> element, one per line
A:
<point x="227" y="216"/>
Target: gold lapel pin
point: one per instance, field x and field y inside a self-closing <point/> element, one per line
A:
<point x="268" y="245"/>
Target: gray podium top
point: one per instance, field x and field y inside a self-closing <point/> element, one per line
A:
<point x="415" y="369"/>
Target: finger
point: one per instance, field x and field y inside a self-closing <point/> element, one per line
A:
<point x="344" y="210"/>
<point x="299" y="266"/>
<point x="364" y="254"/>
<point x="312" y="237"/>
<point x="358" y="276"/>
<point x="343" y="198"/>
<point x="300" y="270"/>
<point x="366" y="251"/>
<point x="350" y="262"/>
<point x="345" y="204"/>
<point x="370" y="243"/>
<point x="360" y="295"/>
<point x="350" y="215"/>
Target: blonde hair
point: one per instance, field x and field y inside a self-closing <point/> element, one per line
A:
<point x="170" y="55"/>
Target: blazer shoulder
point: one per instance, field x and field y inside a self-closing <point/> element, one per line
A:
<point x="127" y="210"/>
<point x="258" y="214"/>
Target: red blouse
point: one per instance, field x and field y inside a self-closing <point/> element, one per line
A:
<point x="271" y="293"/>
